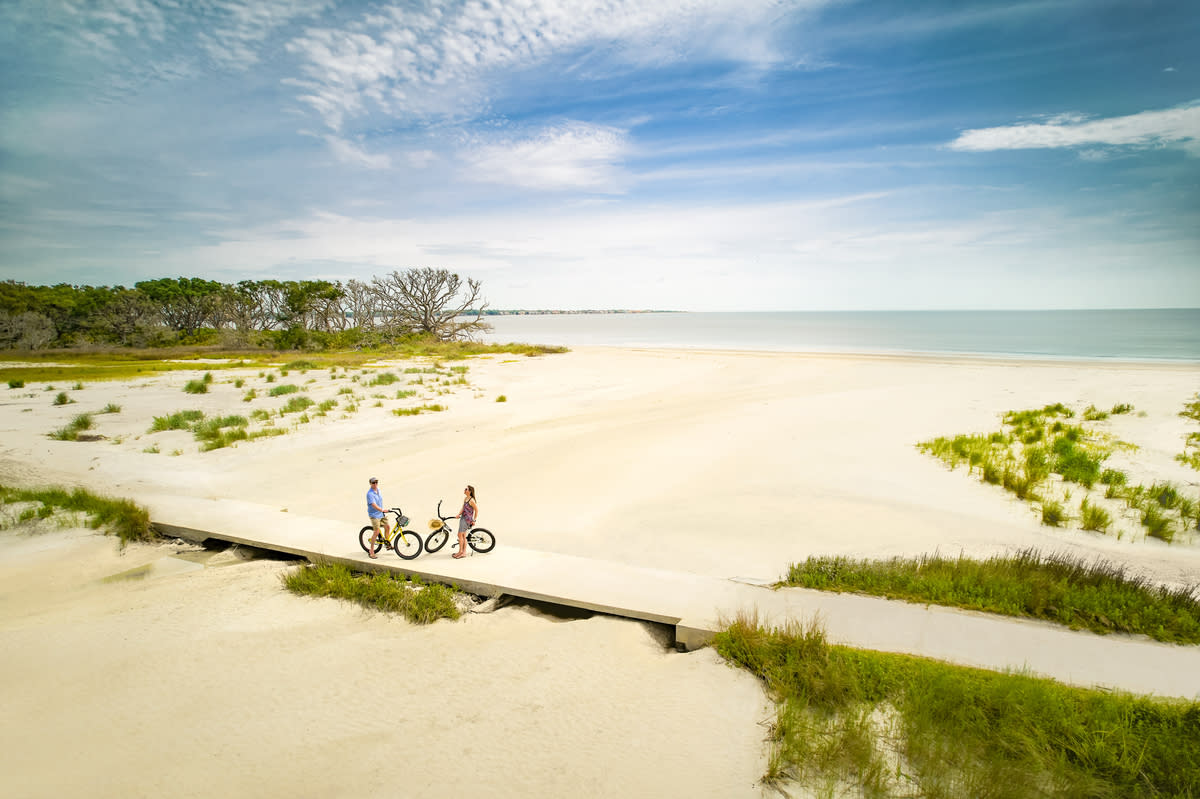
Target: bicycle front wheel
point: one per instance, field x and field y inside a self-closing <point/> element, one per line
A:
<point x="370" y="542"/>
<point x="436" y="540"/>
<point x="481" y="540"/>
<point x="407" y="544"/>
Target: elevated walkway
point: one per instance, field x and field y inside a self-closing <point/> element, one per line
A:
<point x="696" y="605"/>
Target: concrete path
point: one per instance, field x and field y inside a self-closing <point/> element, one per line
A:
<point x="696" y="605"/>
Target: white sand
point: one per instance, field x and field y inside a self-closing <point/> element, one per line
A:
<point x="730" y="464"/>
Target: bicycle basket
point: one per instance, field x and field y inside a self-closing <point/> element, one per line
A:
<point x="435" y="524"/>
<point x="404" y="520"/>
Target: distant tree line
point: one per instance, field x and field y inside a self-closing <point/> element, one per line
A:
<point x="284" y="314"/>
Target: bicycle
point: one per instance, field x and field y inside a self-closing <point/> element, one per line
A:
<point x="405" y="543"/>
<point x="478" y="538"/>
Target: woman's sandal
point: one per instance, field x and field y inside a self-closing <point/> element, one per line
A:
<point x="460" y="555"/>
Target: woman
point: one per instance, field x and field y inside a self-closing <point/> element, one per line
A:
<point x="466" y="520"/>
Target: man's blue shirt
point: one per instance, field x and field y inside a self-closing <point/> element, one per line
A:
<point x="373" y="497"/>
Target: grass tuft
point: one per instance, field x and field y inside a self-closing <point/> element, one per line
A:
<point x="419" y="603"/>
<point x="1098" y="596"/>
<point x="121" y="517"/>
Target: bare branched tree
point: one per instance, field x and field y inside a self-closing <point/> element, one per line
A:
<point x="360" y="304"/>
<point x="430" y="301"/>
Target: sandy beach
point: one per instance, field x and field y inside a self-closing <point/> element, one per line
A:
<point x="203" y="675"/>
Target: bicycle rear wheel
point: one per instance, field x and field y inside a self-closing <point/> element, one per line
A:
<point x="407" y="544"/>
<point x="370" y="543"/>
<point x="481" y="540"/>
<point x="436" y="540"/>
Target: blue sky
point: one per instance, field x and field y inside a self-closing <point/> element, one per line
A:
<point x="696" y="155"/>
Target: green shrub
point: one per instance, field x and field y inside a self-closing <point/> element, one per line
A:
<point x="196" y="387"/>
<point x="62" y="399"/>
<point x="286" y="388"/>
<point x="501" y="398"/>
<point x="1121" y="408"/>
<point x="16" y="384"/>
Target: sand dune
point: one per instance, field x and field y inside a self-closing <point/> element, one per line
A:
<point x="201" y="680"/>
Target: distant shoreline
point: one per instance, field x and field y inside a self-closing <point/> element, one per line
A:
<point x="560" y="312"/>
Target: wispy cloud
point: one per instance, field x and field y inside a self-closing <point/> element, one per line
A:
<point x="229" y="32"/>
<point x="349" y="153"/>
<point x="1173" y="127"/>
<point x="573" y="155"/>
<point x="436" y="59"/>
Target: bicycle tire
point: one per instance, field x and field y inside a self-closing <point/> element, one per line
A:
<point x="481" y="540"/>
<point x="407" y="544"/>
<point x="365" y="540"/>
<point x="436" y="540"/>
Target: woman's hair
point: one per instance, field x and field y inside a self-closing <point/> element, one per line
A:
<point x="472" y="490"/>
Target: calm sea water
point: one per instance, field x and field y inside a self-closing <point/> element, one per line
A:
<point x="1139" y="335"/>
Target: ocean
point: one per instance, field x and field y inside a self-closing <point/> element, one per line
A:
<point x="1126" y="335"/>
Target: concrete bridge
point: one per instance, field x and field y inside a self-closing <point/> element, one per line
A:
<point x="697" y="606"/>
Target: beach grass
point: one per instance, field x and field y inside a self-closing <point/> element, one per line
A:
<point x="121" y="517"/>
<point x="1099" y="596"/>
<point x="418" y="602"/>
<point x="857" y="722"/>
<point x="282" y="389"/>
<point x="434" y="408"/>
<point x="1040" y="451"/>
<point x="71" y="431"/>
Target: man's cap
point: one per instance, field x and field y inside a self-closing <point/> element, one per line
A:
<point x="374" y="479"/>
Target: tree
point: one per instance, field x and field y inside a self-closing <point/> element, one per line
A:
<point x="187" y="303"/>
<point x="433" y="301"/>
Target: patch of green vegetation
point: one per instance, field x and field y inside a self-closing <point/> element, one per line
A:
<point x="296" y="404"/>
<point x="180" y="420"/>
<point x="1094" y="517"/>
<point x="327" y="406"/>
<point x="301" y="365"/>
<point x="1053" y="514"/>
<point x="419" y="410"/>
<point x="896" y="725"/>
<point x="270" y="377"/>
<point x="419" y="603"/>
<point x="405" y="393"/>
<point x="1121" y="408"/>
<point x="220" y="431"/>
<point x="16" y="383"/>
<point x="1098" y="596"/>
<point x="250" y="396"/>
<point x="196" y="387"/>
<point x="501" y="398"/>
<point x="286" y="388"/>
<point x="119" y="516"/>
<point x="72" y="430"/>
<point x="384" y="379"/>
<point x="111" y="407"/>
<point x="1038" y="443"/>
<point x="62" y="399"/>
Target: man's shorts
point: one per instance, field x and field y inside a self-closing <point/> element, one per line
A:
<point x="375" y="522"/>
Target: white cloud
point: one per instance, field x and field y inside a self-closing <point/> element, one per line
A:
<point x="349" y="153"/>
<point x="573" y="155"/>
<point x="441" y="59"/>
<point x="1173" y="127"/>
<point x="230" y="32"/>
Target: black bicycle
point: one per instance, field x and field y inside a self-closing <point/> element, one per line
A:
<point x="405" y="543"/>
<point x="478" y="538"/>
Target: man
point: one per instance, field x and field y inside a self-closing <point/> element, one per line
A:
<point x="375" y="512"/>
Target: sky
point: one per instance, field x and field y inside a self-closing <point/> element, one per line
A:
<point x="692" y="155"/>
